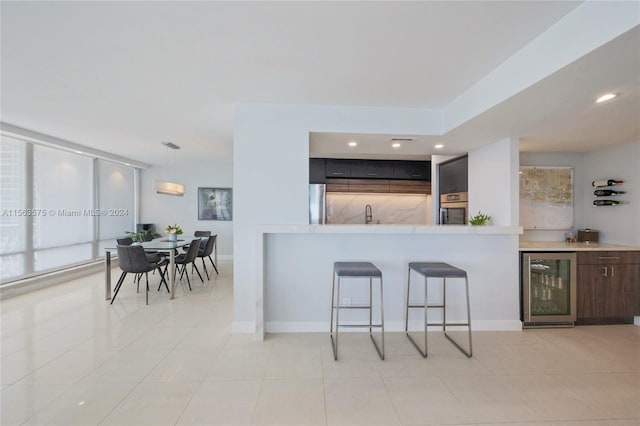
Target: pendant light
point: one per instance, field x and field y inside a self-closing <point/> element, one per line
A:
<point x="166" y="187"/>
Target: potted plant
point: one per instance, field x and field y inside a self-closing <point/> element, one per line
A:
<point x="479" y="220"/>
<point x="139" y="236"/>
<point x="173" y="231"/>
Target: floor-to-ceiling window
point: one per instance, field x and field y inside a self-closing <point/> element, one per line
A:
<point x="59" y="208"/>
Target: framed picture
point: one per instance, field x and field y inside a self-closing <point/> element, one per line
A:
<point x="214" y="204"/>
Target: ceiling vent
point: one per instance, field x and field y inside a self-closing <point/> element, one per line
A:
<point x="402" y="139"/>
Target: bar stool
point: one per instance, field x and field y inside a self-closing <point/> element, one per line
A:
<point x="444" y="271"/>
<point x="356" y="270"/>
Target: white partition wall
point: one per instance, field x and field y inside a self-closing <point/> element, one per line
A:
<point x="271" y="150"/>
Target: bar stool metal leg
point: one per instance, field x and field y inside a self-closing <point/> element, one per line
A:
<point x="468" y="324"/>
<point x="439" y="270"/>
<point x="356" y="270"/>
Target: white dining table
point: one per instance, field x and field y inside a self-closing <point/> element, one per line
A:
<point x="160" y="245"/>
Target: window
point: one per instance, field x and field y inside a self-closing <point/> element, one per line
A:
<point x="59" y="208"/>
<point x="13" y="200"/>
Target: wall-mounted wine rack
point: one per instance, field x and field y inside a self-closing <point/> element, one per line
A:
<point x="603" y="190"/>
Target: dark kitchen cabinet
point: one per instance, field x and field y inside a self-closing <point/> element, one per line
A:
<point x="608" y="287"/>
<point x="337" y="168"/>
<point x="412" y="170"/>
<point x="453" y="175"/>
<point x="317" y="173"/>
<point x="379" y="186"/>
<point x="372" y="169"/>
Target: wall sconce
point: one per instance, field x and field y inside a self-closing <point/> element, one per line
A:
<point x="168" y="188"/>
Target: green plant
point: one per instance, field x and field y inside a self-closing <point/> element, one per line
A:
<point x="479" y="219"/>
<point x="173" y="229"/>
<point x="138" y="237"/>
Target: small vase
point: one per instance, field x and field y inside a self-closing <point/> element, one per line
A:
<point x="172" y="237"/>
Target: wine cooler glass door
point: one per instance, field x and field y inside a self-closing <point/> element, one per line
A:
<point x="551" y="289"/>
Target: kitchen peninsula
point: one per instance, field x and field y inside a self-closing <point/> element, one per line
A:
<point x="294" y="264"/>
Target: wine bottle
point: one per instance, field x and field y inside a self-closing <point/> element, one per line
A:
<point x="608" y="202"/>
<point x="606" y="182"/>
<point x="607" y="192"/>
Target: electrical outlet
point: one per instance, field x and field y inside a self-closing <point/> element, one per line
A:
<point x="346" y="301"/>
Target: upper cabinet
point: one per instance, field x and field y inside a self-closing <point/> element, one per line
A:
<point x="317" y="172"/>
<point x="372" y="169"/>
<point x="413" y="170"/>
<point x="368" y="169"/>
<point x="454" y="176"/>
<point x="337" y="168"/>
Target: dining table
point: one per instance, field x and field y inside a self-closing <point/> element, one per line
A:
<point x="161" y="245"/>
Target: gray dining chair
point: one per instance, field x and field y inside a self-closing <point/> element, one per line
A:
<point x="183" y="259"/>
<point x="206" y="251"/>
<point x="132" y="259"/>
<point x="152" y="256"/>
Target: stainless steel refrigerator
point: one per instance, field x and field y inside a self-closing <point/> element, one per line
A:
<point x="317" y="203"/>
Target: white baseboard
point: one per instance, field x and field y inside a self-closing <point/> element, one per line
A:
<point x="393" y="326"/>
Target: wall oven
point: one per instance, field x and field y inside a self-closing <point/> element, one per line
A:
<point x="453" y="208"/>
<point x="548" y="292"/>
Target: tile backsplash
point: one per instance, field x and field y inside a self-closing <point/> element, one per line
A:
<point x="408" y="209"/>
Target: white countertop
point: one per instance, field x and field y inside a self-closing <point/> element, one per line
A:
<point x="562" y="246"/>
<point x="390" y="229"/>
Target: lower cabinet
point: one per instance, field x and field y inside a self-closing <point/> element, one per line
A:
<point x="608" y="288"/>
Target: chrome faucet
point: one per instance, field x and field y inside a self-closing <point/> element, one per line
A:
<point x="368" y="216"/>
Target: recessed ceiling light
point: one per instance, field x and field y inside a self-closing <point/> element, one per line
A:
<point x="352" y="143"/>
<point x="606" y="97"/>
<point x="439" y="146"/>
<point x="395" y="145"/>
<point x="78" y="152"/>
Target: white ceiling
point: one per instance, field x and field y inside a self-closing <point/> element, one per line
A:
<point x="124" y="76"/>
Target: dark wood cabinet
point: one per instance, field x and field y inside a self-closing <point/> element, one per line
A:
<point x="412" y="170"/>
<point x="317" y="173"/>
<point x="410" y="186"/>
<point x="378" y="186"/>
<point x="608" y="288"/>
<point x="337" y="168"/>
<point x="453" y="175"/>
<point x="369" y="185"/>
<point x="372" y="169"/>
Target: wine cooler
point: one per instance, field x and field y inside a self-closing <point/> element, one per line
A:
<point x="548" y="292"/>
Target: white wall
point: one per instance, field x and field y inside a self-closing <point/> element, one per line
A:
<point x="621" y="224"/>
<point x="163" y="210"/>
<point x="575" y="160"/>
<point x="493" y="182"/>
<point x="271" y="172"/>
<point x="617" y="225"/>
<point x="271" y="149"/>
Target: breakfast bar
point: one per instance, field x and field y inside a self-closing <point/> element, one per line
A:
<point x="293" y="283"/>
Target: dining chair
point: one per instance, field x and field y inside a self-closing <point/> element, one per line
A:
<point x="132" y="259"/>
<point x="199" y="234"/>
<point x="206" y="251"/>
<point x="183" y="259"/>
<point x="152" y="256"/>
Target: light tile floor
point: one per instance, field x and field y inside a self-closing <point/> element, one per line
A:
<point x="70" y="358"/>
